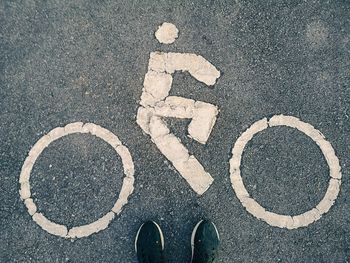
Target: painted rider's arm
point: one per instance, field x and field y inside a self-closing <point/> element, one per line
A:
<point x="196" y="65"/>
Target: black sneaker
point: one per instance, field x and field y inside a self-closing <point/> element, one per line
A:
<point x="149" y="243"/>
<point x="205" y="242"/>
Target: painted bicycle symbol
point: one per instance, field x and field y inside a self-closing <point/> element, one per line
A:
<point x="155" y="105"/>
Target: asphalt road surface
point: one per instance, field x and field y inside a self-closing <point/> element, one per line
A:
<point x="69" y="61"/>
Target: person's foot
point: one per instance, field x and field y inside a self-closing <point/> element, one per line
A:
<point x="205" y="242"/>
<point x="149" y="243"/>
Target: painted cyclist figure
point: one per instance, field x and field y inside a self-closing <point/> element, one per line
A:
<point x="156" y="104"/>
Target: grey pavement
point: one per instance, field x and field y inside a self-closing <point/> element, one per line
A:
<point x="67" y="61"/>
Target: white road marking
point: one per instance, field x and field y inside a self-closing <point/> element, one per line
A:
<point x="203" y="121"/>
<point x="156" y="104"/>
<point x="49" y="226"/>
<point x="101" y="223"/>
<point x="94" y="227"/>
<point x="31" y="206"/>
<point x="273" y="219"/>
<point x="201" y="69"/>
<point x="167" y="33"/>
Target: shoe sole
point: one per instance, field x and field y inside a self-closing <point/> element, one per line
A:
<point x="160" y="232"/>
<point x="194" y="234"/>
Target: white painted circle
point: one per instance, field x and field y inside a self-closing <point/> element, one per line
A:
<point x="254" y="208"/>
<point x="166" y="33"/>
<point x="99" y="224"/>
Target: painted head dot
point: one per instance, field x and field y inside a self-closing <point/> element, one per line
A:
<point x="166" y="33"/>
